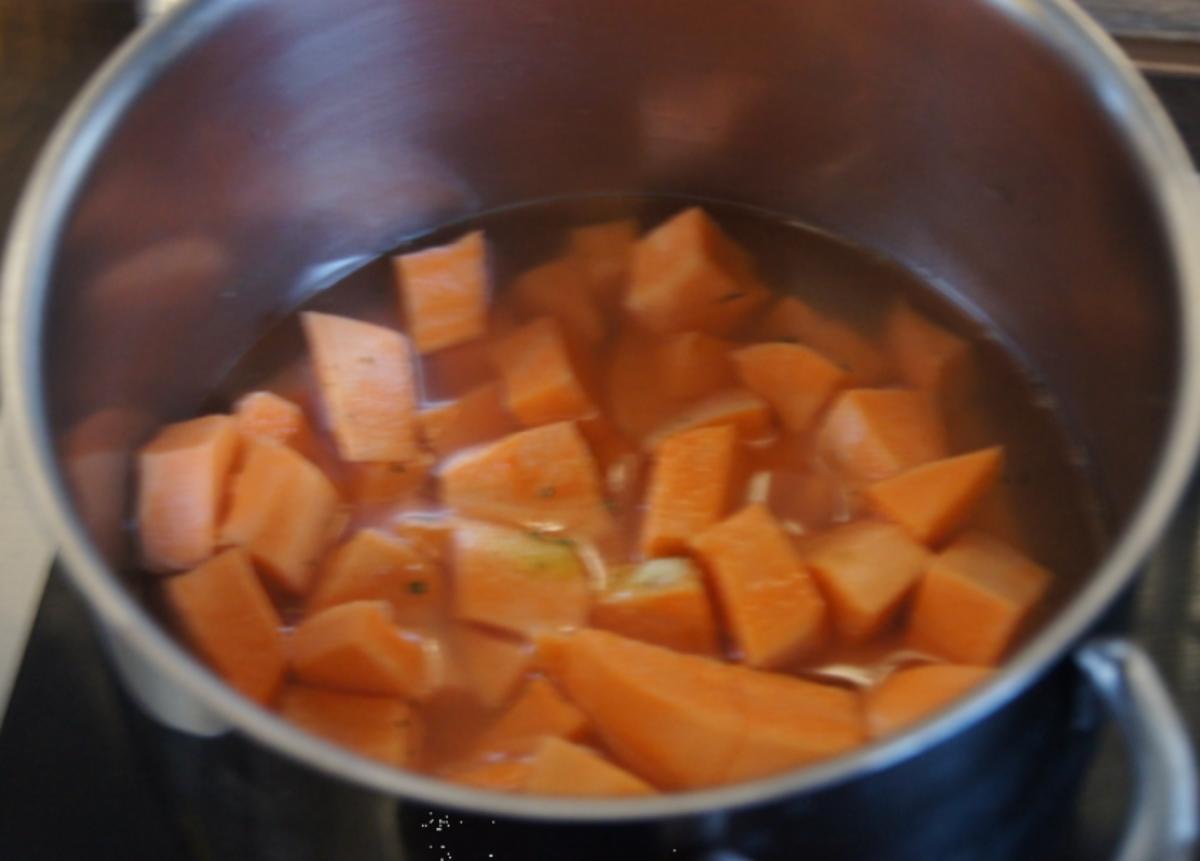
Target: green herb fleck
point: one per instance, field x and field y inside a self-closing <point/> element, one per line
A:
<point x="546" y="492"/>
<point x="418" y="587"/>
<point x="611" y="505"/>
<point x="732" y="297"/>
<point x="558" y="540"/>
<point x="397" y="467"/>
<point x="366" y="360"/>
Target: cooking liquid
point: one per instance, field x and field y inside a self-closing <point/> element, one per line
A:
<point x="1041" y="505"/>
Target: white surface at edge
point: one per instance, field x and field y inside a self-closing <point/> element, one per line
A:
<point x="27" y="552"/>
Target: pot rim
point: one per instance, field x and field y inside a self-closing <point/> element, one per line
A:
<point x="54" y="186"/>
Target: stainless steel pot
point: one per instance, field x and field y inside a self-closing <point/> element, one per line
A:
<point x="239" y="153"/>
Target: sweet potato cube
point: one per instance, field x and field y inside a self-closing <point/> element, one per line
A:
<point x="689" y="487"/>
<point x="910" y="695"/>
<point x="502" y="775"/>
<point x="389" y="483"/>
<point x="687" y="722"/>
<point x="539" y="710"/>
<point x="931" y="501"/>
<point x="797" y="382"/>
<point x="769" y="601"/>
<point x="973" y="599"/>
<point x="560" y="289"/>
<point x="280" y="511"/>
<point x="522" y="582"/>
<point x="559" y="767"/>
<point x="491" y="665"/>
<point x="604" y="252"/>
<point x="444" y="292"/>
<point x="365" y="375"/>
<point x="357" y="648"/>
<point x="690" y="365"/>
<point x="382" y="728"/>
<point x="182" y="474"/>
<point x="743" y="409"/>
<point x="541" y="478"/>
<point x="541" y="383"/>
<point x="687" y="274"/>
<point x="225" y="614"/>
<point x="478" y="416"/>
<point x="379" y="566"/>
<point x="865" y="570"/>
<point x="662" y="601"/>
<point x="928" y="356"/>
<point x="268" y="415"/>
<point x="793" y="319"/>
<point x="632" y="391"/>
<point x="870" y="434"/>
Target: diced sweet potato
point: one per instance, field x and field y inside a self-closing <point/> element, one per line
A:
<point x="227" y="617"/>
<point x="808" y="501"/>
<point x="662" y="601"/>
<point x="478" y="416"/>
<point x="541" y="383"/>
<point x="522" y="582"/>
<point x="971" y="602"/>
<point x="182" y="474"/>
<point x="689" y="487"/>
<point x="457" y="370"/>
<point x="503" y="775"/>
<point x="389" y="483"/>
<point x="871" y="434"/>
<point x="770" y="604"/>
<point x="632" y="391"/>
<point x="604" y="251"/>
<point x="618" y="460"/>
<point x="687" y="275"/>
<point x="744" y="410"/>
<point x="492" y="666"/>
<point x="367" y="385"/>
<point x="912" y="694"/>
<point x="382" y="728"/>
<point x="560" y="289"/>
<point x="356" y="647"/>
<point x="690" y="365"/>
<point x="559" y="767"/>
<point x="539" y="710"/>
<point x="931" y="501"/>
<point x="794" y="319"/>
<point x="865" y="570"/>
<point x="541" y="478"/>
<point x="686" y="722"/>
<point x="378" y="566"/>
<point x="444" y="292"/>
<point x="928" y="356"/>
<point x="797" y="382"/>
<point x="268" y="415"/>
<point x="280" y="511"/>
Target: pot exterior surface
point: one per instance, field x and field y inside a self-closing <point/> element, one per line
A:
<point x="244" y="153"/>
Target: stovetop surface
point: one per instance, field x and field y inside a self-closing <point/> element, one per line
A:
<point x="77" y="779"/>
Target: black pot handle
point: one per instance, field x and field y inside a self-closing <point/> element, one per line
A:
<point x="1163" y="820"/>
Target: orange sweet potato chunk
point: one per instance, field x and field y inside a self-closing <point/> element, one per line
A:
<point x="793" y="319"/>
<point x="492" y="666"/>
<point x="558" y="767"/>
<point x="871" y="434"/>
<point x="797" y="382"/>
<point x="928" y="356"/>
<point x="365" y="375"/>
<point x="865" y="570"/>
<point x="389" y="483"/>
<point x="182" y="474"/>
<point x="771" y="605"/>
<point x="687" y="722"/>
<point x="973" y="599"/>
<point x="382" y="728"/>
<point x="539" y="710"/>
<point x="743" y="409"/>
<point x="541" y="383"/>
<point x="379" y="566"/>
<point x="690" y="365"/>
<point x="502" y="775"/>
<point x="604" y="252"/>
<point x="357" y="648"/>
<point x="632" y="391"/>
<point x="268" y="415"/>
<point x="689" y="487"/>
<point x="478" y="416"/>
<point x="931" y="501"/>
<point x="540" y="478"/>
<point x="280" y="511"/>
<point x="518" y="581"/>
<point x="687" y="274"/>
<point x="560" y="289"/>
<point x="225" y="614"/>
<point x="444" y="292"/>
<point x="662" y="601"/>
<point x="911" y="694"/>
